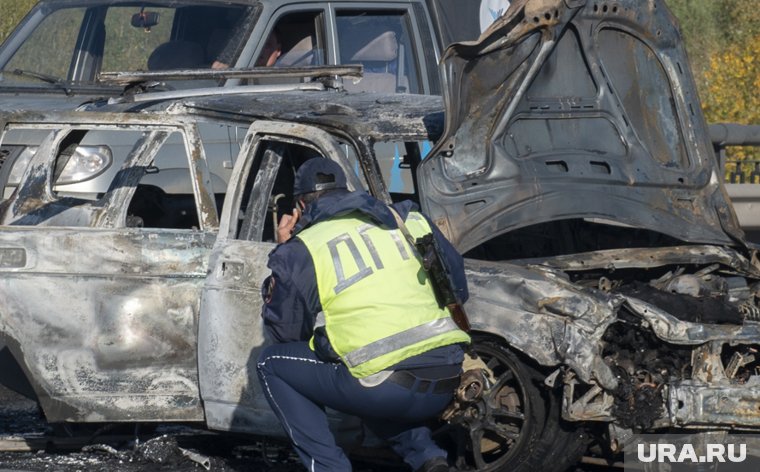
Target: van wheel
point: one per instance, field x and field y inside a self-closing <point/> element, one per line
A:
<point x="516" y="425"/>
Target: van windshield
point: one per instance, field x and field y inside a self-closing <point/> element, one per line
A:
<point x="112" y="35"/>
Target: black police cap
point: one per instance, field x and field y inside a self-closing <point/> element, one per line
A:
<point x="318" y="174"/>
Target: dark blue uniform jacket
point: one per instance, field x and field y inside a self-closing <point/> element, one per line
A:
<point x="291" y="299"/>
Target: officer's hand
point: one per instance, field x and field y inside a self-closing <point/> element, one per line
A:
<point x="287" y="223"/>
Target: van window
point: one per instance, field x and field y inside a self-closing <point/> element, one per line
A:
<point x="381" y="41"/>
<point x="296" y="40"/>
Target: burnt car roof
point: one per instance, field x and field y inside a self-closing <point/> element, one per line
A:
<point x="576" y="109"/>
<point x="372" y="116"/>
<point x="367" y="115"/>
<point x="361" y="115"/>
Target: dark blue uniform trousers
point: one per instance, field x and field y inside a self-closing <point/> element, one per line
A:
<point x="299" y="386"/>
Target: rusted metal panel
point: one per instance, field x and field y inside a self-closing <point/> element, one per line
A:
<point x="123" y="186"/>
<point x="538" y="310"/>
<point x="231" y="334"/>
<point x="201" y="179"/>
<point x="136" y="291"/>
<point x="369" y="115"/>
<point x="700" y="404"/>
<point x="29" y="205"/>
<point x="649" y="257"/>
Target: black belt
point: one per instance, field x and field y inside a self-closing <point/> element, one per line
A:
<point x="408" y="380"/>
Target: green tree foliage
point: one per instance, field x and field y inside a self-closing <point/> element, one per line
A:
<point x="723" y="43"/>
<point x="700" y="22"/>
<point x="721" y="38"/>
<point x="11" y="12"/>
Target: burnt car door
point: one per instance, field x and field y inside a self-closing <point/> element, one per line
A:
<point x="100" y="297"/>
<point x="231" y="333"/>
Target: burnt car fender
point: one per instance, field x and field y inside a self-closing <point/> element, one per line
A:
<point x="538" y="312"/>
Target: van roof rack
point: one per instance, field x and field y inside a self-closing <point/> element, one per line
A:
<point x="216" y="91"/>
<point x="129" y="78"/>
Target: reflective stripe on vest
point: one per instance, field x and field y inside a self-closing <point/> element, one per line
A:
<point x="379" y="307"/>
<point x="397" y="341"/>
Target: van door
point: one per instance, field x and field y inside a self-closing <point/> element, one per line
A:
<point x="231" y="333"/>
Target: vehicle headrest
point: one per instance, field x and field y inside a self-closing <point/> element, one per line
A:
<point x="299" y="54"/>
<point x="382" y="48"/>
<point x="176" y="55"/>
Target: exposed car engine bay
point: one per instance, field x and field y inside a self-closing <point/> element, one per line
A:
<point x="657" y="378"/>
<point x="672" y="326"/>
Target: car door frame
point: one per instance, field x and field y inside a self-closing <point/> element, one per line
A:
<point x="151" y="275"/>
<point x="231" y="333"/>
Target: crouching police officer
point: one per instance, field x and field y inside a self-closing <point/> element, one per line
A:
<point x="357" y="322"/>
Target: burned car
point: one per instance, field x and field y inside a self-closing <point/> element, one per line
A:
<point x="612" y="290"/>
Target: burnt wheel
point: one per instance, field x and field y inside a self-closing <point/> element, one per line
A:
<point x="515" y="426"/>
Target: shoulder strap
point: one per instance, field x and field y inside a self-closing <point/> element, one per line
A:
<point x="443" y="287"/>
<point x="402" y="227"/>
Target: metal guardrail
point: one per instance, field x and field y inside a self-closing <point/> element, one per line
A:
<point x="725" y="135"/>
<point x="734" y="134"/>
<point x="744" y="198"/>
<point x="746" y="171"/>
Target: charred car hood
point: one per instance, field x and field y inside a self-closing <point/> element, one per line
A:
<point x="572" y="109"/>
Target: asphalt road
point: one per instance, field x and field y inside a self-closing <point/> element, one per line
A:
<point x="168" y="448"/>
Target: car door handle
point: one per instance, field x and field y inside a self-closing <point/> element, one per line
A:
<point x="233" y="270"/>
<point x="12" y="258"/>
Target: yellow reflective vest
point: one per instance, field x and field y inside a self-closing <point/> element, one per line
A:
<point x="378" y="307"/>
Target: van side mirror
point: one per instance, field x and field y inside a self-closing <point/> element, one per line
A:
<point x="145" y="19"/>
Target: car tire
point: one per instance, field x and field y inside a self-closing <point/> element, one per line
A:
<point x="516" y="426"/>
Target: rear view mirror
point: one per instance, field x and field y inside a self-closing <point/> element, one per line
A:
<point x="145" y="19"/>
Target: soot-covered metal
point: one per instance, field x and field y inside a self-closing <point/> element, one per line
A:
<point x="611" y="288"/>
